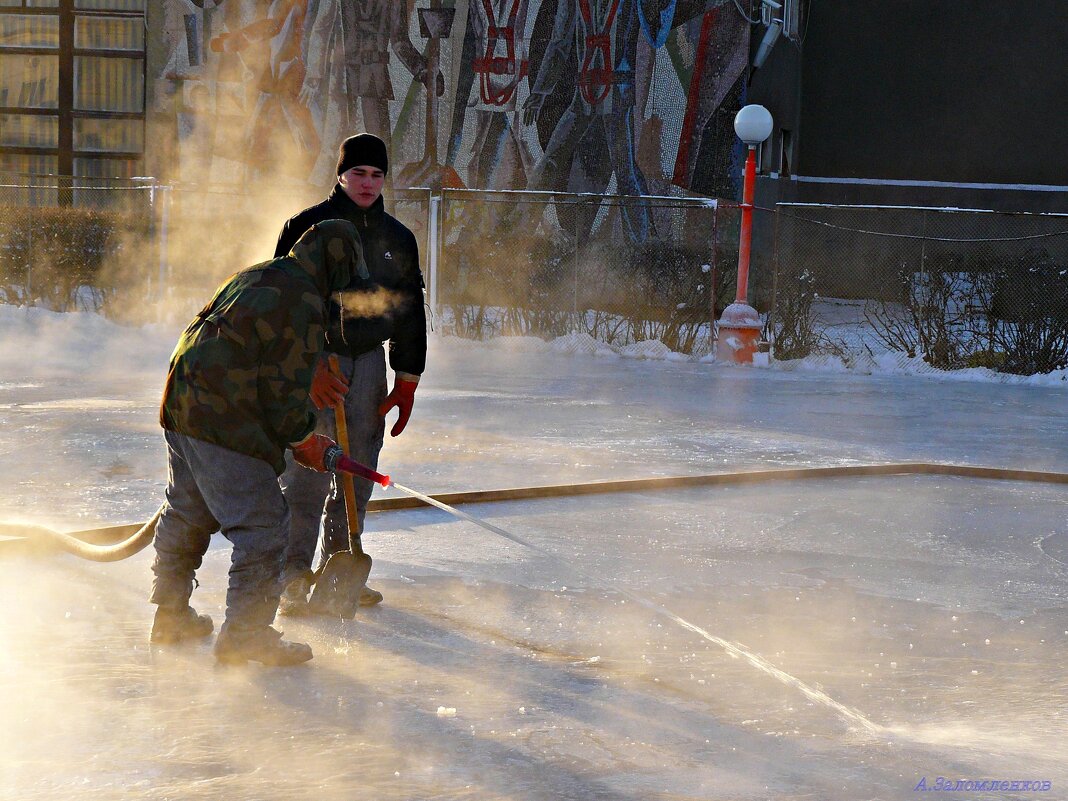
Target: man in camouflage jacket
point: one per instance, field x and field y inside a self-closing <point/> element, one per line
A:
<point x="236" y="399"/>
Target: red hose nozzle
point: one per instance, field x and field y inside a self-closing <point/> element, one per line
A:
<point x="347" y="465"/>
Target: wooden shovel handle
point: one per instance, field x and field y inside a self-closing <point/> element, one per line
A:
<point x="346" y="478"/>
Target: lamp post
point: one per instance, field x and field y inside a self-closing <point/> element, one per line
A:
<point x="739" y="325"/>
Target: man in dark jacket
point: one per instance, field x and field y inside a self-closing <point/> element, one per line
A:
<point x="384" y="306"/>
<point x="235" y="401"/>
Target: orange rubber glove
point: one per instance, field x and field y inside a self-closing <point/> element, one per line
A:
<point x="328" y="388"/>
<point x="402" y="396"/>
<point x="311" y="451"/>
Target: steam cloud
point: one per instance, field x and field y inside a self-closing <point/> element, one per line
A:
<point x="370" y="304"/>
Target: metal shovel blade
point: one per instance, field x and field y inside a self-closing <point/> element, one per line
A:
<point x="337" y="590"/>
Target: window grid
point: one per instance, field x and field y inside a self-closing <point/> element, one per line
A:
<point x="29" y="30"/>
<point x="75" y="67"/>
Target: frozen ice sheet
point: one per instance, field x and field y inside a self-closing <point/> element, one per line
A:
<point x="935" y="607"/>
<point x="488" y="418"/>
<point x="941" y="619"/>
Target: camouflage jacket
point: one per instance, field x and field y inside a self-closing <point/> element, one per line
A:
<point x="241" y="372"/>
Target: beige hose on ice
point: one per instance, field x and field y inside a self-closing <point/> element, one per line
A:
<point x="80" y="544"/>
<point x="100" y="545"/>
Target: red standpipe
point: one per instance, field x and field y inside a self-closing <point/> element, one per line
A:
<point x="355" y="468"/>
<point x="745" y="237"/>
<point x="740" y="324"/>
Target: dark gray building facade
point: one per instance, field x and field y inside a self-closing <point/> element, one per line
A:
<point x="960" y="103"/>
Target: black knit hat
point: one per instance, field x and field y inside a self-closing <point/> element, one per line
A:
<point x="362" y="150"/>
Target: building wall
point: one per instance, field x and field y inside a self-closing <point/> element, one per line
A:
<point x="969" y="91"/>
<point x="955" y="104"/>
<point x="241" y="90"/>
<point x="959" y="103"/>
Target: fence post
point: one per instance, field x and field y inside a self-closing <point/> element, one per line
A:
<point x="164" y="223"/>
<point x="773" y="312"/>
<point x="433" y="251"/>
<point x="712" y="279"/>
<point x="925" y="283"/>
<point x="574" y="288"/>
<point x="29" y="261"/>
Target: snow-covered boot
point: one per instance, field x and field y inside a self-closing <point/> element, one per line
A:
<point x="369" y="597"/>
<point x="172" y="625"/>
<point x="237" y="646"/>
<point x="294" y="600"/>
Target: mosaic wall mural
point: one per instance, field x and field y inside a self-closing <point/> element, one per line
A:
<point x="625" y="96"/>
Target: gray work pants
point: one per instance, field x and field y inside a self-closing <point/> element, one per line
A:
<point x="209" y="489"/>
<point x="316" y="498"/>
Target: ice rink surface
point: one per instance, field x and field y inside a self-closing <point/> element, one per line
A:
<point x="933" y="608"/>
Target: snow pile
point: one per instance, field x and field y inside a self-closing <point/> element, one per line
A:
<point x="651" y="349"/>
<point x="519" y="344"/>
<point x="899" y="364"/>
<point x="581" y="343"/>
<point x="47" y="343"/>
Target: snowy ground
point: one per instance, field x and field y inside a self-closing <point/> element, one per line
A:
<point x="936" y="609"/>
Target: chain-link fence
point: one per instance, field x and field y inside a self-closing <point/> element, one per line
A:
<point x="74" y="243"/>
<point x="955" y="288"/>
<point x="635" y="273"/>
<point x="511" y="263"/>
<point x="646" y="273"/>
<point x="209" y="232"/>
<point x="135" y="249"/>
<point x="642" y="275"/>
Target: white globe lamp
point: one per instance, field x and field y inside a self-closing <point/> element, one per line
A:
<point x="753" y="124"/>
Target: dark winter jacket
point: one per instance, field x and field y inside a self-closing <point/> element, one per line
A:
<point x="386" y="306"/>
<point x="241" y="372"/>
